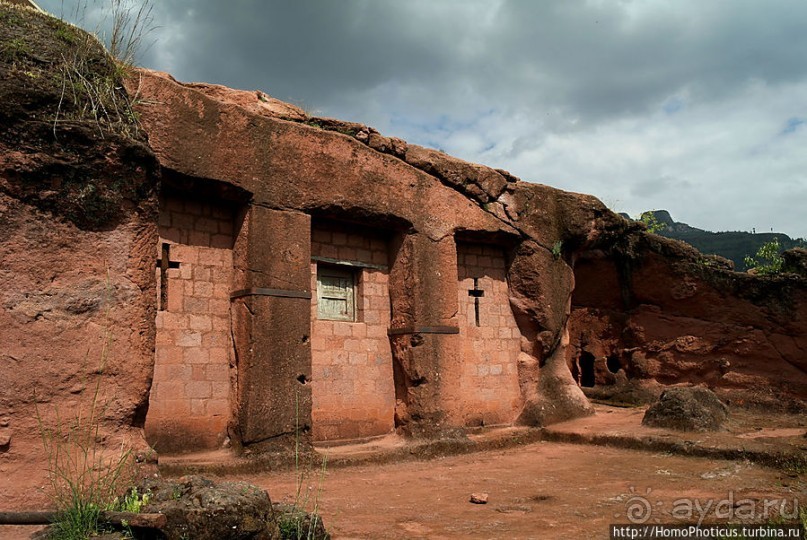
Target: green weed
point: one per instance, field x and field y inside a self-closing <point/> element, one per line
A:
<point x="132" y="502"/>
<point x="302" y="522"/>
<point x="67" y="35"/>
<point x="557" y="249"/>
<point x="14" y="50"/>
<point x="93" y="92"/>
<point x="89" y="78"/>
<point x="131" y="24"/>
<point x="84" y="479"/>
<point x="651" y="222"/>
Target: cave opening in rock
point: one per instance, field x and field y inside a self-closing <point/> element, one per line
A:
<point x="586" y="362"/>
<point x="613" y="364"/>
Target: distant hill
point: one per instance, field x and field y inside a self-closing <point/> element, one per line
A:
<point x="734" y="245"/>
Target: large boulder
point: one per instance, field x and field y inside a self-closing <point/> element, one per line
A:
<point x="687" y="409"/>
<point x="198" y="508"/>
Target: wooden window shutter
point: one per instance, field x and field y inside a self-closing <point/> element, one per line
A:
<point x="336" y="293"/>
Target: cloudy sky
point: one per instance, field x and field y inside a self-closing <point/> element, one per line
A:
<point x="695" y="106"/>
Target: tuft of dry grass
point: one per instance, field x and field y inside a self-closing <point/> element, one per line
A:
<point x="84" y="478"/>
<point x="56" y="58"/>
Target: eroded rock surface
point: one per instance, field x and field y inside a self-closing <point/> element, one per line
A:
<point x="77" y="231"/>
<point x="656" y="312"/>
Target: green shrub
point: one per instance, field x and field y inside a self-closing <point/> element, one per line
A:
<point x="768" y="259"/>
<point x="651" y="222"/>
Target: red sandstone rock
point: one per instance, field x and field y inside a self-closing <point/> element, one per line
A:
<point x="5" y="440"/>
<point x="78" y="208"/>
<point x="666" y="314"/>
<point x="479" y="498"/>
<point x="478" y="181"/>
<point x="256" y="102"/>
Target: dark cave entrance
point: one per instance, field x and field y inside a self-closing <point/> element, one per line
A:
<point x="586" y="362"/>
<point x="613" y="364"/>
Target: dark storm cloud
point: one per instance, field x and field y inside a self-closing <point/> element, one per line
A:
<point x="592" y="59"/>
<point x="590" y="95"/>
<point x="609" y="58"/>
<point x="309" y="51"/>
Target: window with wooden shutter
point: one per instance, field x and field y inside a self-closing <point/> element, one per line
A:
<point x="336" y="293"/>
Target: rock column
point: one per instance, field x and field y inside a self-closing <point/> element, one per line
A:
<point x="271" y="324"/>
<point x="424" y="333"/>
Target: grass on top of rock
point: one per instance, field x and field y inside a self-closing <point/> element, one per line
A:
<point x="67" y="70"/>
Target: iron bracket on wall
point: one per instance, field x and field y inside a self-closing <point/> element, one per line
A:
<point x="423" y="330"/>
<point x="279" y="293"/>
<point x="345" y="262"/>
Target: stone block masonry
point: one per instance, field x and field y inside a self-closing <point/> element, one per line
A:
<point x="190" y="399"/>
<point x="490" y="337"/>
<point x="353" y="390"/>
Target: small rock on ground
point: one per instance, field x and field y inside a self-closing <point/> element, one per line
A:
<point x="479" y="498"/>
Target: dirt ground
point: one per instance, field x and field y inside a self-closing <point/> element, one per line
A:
<point x="540" y="490"/>
<point x="543" y="490"/>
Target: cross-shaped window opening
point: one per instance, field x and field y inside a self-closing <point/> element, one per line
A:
<point x="476" y="293"/>
<point x="164" y="263"/>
